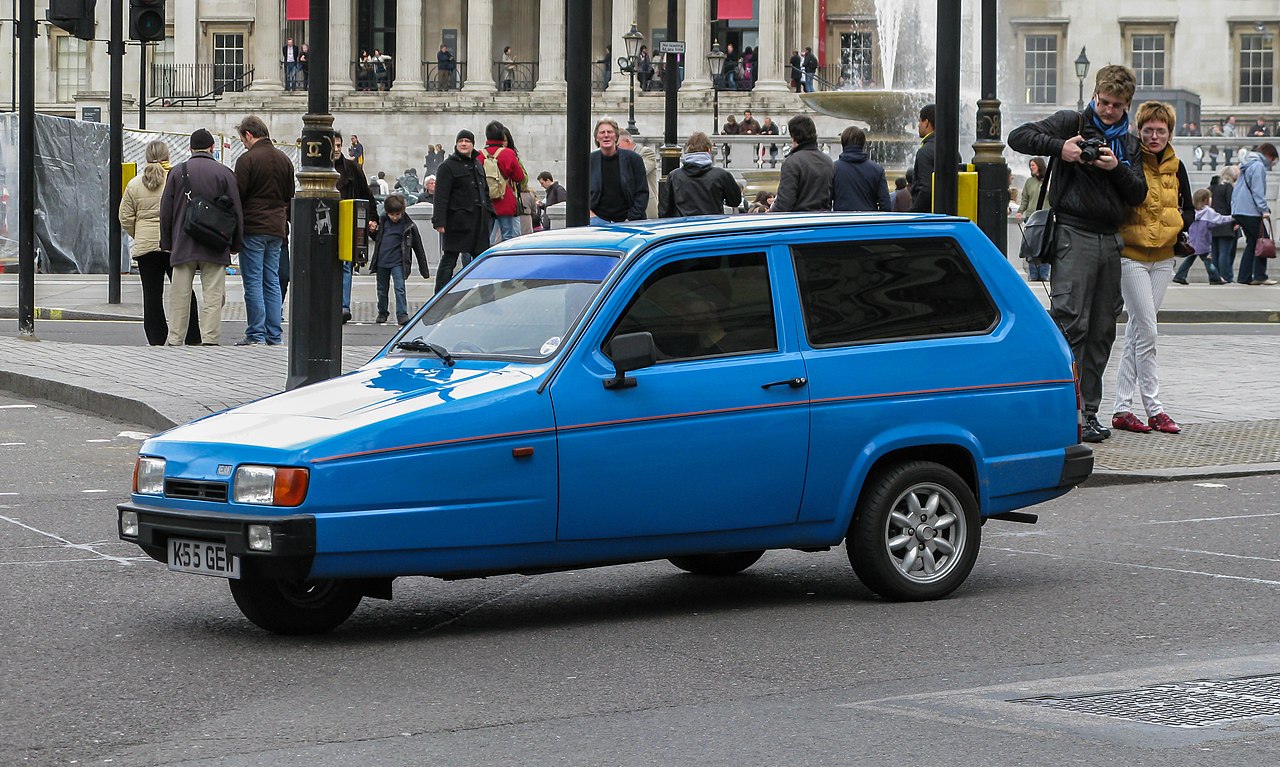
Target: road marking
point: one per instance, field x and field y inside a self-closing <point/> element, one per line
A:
<point x="94" y="491"/>
<point x="66" y="561"/>
<point x="13" y="407"/>
<point x="65" y="542"/>
<point x="97" y="440"/>
<point x="12" y="444"/>
<point x="1210" y="519"/>
<point x="1219" y="554"/>
<point x="1208" y="484"/>
<point x="1261" y="581"/>
<point x="134" y="435"/>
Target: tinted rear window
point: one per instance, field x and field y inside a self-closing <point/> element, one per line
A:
<point x="864" y="292"/>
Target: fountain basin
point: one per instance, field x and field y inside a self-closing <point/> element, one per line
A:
<point x="889" y="112"/>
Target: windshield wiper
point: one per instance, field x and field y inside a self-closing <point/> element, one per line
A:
<point x="418" y="345"/>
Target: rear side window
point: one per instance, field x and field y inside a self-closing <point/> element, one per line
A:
<point x="705" y="307"/>
<point x="867" y="292"/>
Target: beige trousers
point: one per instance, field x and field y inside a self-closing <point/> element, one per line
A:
<point x="213" y="284"/>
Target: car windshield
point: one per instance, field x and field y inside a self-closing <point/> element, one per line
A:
<point x="519" y="305"/>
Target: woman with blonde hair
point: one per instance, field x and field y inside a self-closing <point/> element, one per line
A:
<point x="140" y="217"/>
<point x="1146" y="267"/>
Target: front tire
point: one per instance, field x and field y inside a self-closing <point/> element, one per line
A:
<point x="730" y="563"/>
<point x="916" y="532"/>
<point x="296" y="607"/>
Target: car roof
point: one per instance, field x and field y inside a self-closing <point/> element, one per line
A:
<point x="634" y="235"/>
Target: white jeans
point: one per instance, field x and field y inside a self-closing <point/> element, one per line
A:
<point x="1142" y="285"/>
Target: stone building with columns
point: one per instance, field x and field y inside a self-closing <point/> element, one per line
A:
<point x="222" y="59"/>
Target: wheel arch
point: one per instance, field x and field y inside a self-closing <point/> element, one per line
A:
<point x="959" y="452"/>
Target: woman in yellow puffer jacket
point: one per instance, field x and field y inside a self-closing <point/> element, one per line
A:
<point x="1146" y="268"/>
<point x="140" y="217"/>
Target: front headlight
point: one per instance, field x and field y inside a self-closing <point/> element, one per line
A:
<point x="148" y="476"/>
<point x="270" y="485"/>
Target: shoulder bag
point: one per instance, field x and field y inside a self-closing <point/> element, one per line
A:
<point x="1265" y="247"/>
<point x="1038" y="231"/>
<point x="212" y="223"/>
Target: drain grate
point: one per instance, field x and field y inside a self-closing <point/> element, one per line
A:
<point x="1199" y="444"/>
<point x="1198" y="703"/>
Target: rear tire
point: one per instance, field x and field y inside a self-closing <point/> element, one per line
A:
<point x="296" y="607"/>
<point x="916" y="532"/>
<point x="730" y="563"/>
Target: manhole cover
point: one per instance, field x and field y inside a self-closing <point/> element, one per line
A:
<point x="1199" y="703"/>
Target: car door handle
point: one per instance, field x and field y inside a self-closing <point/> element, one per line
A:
<point x="794" y="383"/>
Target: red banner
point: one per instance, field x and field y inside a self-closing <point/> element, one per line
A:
<point x="735" y="9"/>
<point x="297" y="10"/>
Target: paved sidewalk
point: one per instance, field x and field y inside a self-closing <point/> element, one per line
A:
<point x="1220" y="387"/>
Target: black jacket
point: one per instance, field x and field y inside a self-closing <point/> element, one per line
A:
<point x="412" y="241"/>
<point x="462" y="205"/>
<point x="352" y="185"/>
<point x="922" y="176"/>
<point x="1221" y="202"/>
<point x="859" y="183"/>
<point x="804" y="183"/>
<point x="698" y="190"/>
<point x="1083" y="196"/>
<point x="635" y="184"/>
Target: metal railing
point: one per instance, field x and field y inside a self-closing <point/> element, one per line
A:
<point x="170" y="84"/>
<point x="599" y="75"/>
<point x="436" y="79"/>
<point x="373" y="74"/>
<point x="515" y="75"/>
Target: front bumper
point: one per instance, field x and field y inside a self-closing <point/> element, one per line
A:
<point x="293" y="538"/>
<point x="1077" y="465"/>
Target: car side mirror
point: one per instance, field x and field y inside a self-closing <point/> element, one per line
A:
<point x="631" y="351"/>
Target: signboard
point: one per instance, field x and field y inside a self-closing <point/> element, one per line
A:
<point x="671" y="46"/>
<point x="91" y="114"/>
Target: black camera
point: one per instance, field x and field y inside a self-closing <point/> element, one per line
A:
<point x="1089" y="149"/>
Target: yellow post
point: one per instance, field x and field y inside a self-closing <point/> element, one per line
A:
<point x="967" y="204"/>
<point x="128" y="171"/>
<point x="346" y="229"/>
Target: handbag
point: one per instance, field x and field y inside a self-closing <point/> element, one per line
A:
<point x="1265" y="246"/>
<point x="1183" y="246"/>
<point x="1038" y="234"/>
<point x="212" y="223"/>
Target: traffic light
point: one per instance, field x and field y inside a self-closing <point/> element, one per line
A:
<point x="146" y="20"/>
<point x="75" y="16"/>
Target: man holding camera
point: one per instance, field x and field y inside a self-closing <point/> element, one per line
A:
<point x="1096" y="180"/>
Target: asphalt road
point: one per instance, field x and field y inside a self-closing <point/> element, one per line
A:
<point x="107" y="657"/>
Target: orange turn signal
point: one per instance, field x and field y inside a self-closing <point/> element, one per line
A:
<point x="291" y="486"/>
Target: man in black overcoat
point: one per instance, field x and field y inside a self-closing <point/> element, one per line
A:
<point x="463" y="211"/>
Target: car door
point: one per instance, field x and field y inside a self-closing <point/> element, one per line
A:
<point x="712" y="437"/>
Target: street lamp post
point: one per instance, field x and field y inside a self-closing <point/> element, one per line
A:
<point x="1082" y="71"/>
<point x="715" y="65"/>
<point x="988" y="150"/>
<point x="628" y="64"/>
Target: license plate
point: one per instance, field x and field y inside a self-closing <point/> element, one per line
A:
<point x="202" y="558"/>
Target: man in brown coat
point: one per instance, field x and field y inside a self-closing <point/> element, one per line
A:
<point x="204" y="177"/>
<point x="264" y="176"/>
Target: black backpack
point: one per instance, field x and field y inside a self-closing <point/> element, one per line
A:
<point x="212" y="223"/>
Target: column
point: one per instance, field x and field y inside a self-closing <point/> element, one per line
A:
<point x="408" y="46"/>
<point x="696" y="45"/>
<point x="551" y="46"/>
<point x="480" y="47"/>
<point x="770" y="55"/>
<point x="265" y="47"/>
<point x="185" y="32"/>
<point x="624" y="13"/>
<point x="340" y="71"/>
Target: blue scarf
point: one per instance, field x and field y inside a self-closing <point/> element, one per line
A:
<point x="1114" y="134"/>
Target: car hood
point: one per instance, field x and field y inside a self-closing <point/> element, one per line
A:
<point x="364" y="409"/>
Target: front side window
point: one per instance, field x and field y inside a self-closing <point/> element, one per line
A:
<point x="1040" y="68"/>
<point x="868" y="292"/>
<point x="516" y="306"/>
<point x="705" y="307"/>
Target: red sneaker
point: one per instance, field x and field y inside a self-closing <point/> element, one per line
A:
<point x="1129" y="422"/>
<point x="1162" y="422"/>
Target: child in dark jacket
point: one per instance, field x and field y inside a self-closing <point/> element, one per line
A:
<point x="397" y="237"/>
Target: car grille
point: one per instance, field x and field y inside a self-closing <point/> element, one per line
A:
<point x="196" y="490"/>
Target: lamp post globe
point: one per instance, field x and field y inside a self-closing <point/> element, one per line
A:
<point x="631" y="42"/>
<point x="1082" y="71"/>
<point x="715" y="65"/>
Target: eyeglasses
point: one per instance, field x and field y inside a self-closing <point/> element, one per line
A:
<point x="1154" y="132"/>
